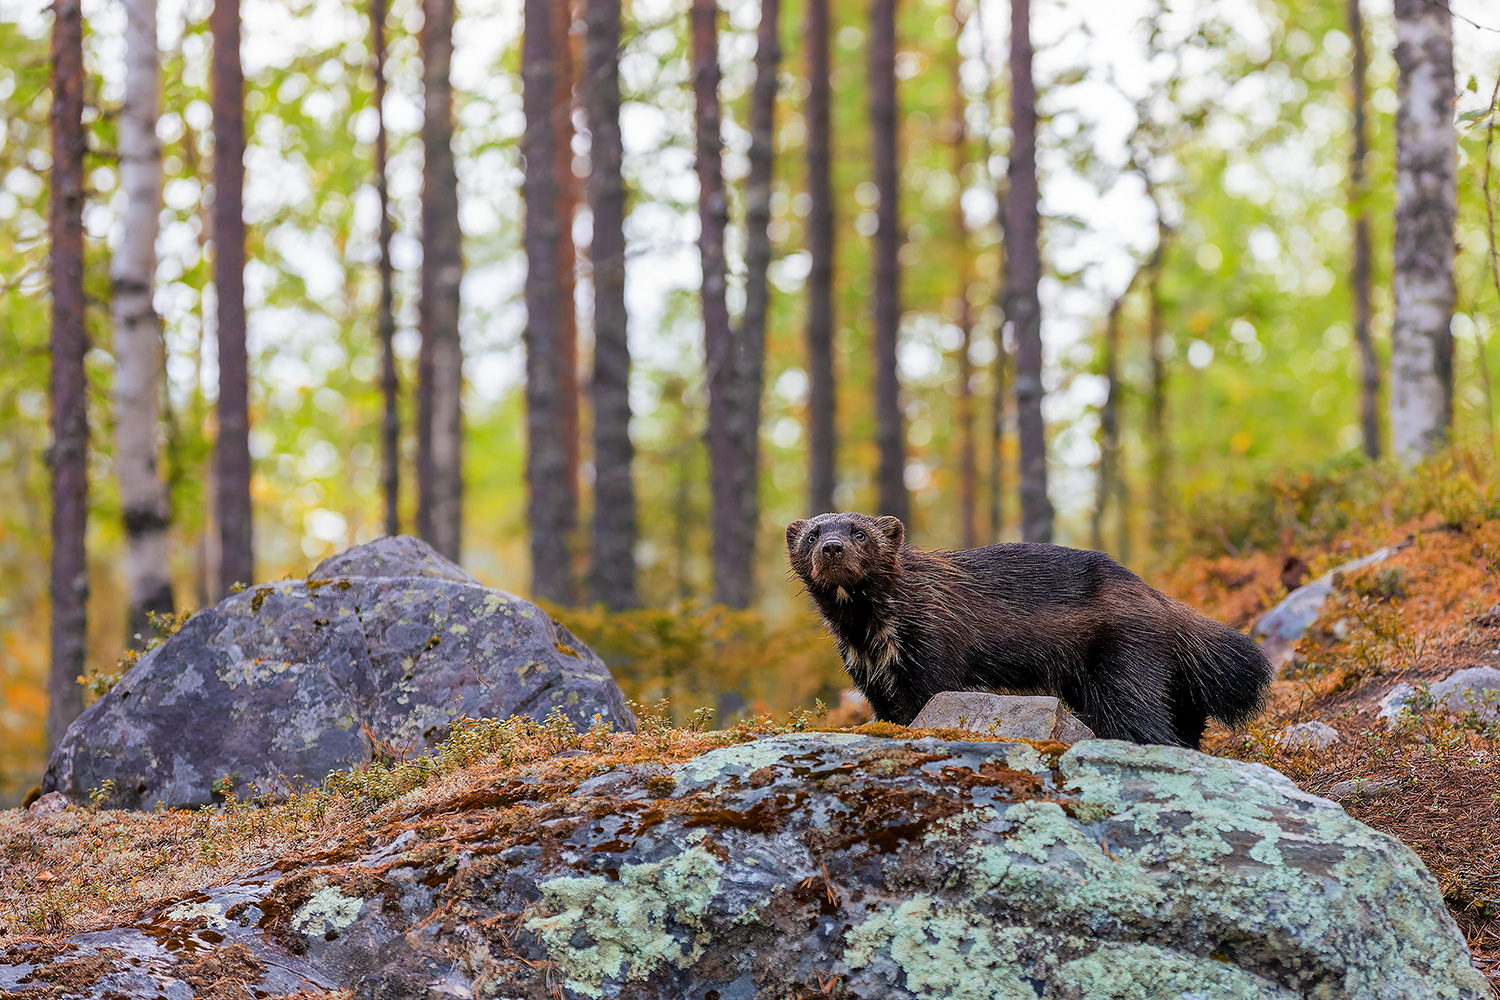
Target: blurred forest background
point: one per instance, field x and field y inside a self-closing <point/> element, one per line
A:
<point x="1199" y="195"/>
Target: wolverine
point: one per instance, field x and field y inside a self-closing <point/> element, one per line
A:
<point x="1131" y="662"/>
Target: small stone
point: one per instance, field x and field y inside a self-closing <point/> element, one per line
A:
<point x="1307" y="736"/>
<point x="1392" y="703"/>
<point x="1362" y="789"/>
<point x="1490" y="618"/>
<point x="1018" y="716"/>
<point x="1474" y="689"/>
<point x="52" y="802"/>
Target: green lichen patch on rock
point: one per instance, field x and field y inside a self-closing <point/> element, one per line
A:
<point x="916" y="866"/>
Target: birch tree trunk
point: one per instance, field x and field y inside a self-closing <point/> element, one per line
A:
<point x="890" y="431"/>
<point x="546" y="456"/>
<point x="385" y="323"/>
<point x="613" y="569"/>
<point x="440" y="365"/>
<point x="232" y="448"/>
<point x="822" y="396"/>
<point x="1359" y="277"/>
<point x="68" y="456"/>
<point x="1426" y="204"/>
<point x="1023" y="274"/>
<point x="137" y="332"/>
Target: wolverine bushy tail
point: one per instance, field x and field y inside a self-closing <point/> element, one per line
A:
<point x="1223" y="672"/>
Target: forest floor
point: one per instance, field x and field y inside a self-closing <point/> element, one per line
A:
<point x="1415" y="617"/>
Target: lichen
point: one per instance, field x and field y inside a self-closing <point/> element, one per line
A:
<point x="212" y="913"/>
<point x="950" y="952"/>
<point x="715" y="766"/>
<point x="654" y="915"/>
<point x="328" y="910"/>
<point x="1145" y="972"/>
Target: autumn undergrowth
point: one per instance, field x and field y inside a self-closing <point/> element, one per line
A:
<point x="88" y="867"/>
<point x="1431" y="777"/>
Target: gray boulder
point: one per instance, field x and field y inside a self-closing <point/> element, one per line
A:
<point x="1289" y="621"/>
<point x="289" y="681"/>
<point x="1014" y="716"/>
<point x="830" y="863"/>
<point x="1474" y="689"/>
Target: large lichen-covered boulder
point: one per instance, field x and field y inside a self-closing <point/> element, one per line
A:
<point x="289" y="681"/>
<point x="840" y="864"/>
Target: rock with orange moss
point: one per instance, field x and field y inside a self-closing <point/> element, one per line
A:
<point x="287" y="682"/>
<point x="823" y="864"/>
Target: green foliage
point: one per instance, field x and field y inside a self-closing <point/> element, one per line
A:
<point x="1294" y="508"/>
<point x="164" y="625"/>
<point x="693" y="656"/>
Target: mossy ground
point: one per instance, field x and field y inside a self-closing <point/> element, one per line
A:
<point x="1414" y="618"/>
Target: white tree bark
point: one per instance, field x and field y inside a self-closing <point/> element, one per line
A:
<point x="137" y="337"/>
<point x="1426" y="203"/>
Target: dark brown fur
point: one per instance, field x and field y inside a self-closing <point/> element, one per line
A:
<point x="1030" y="619"/>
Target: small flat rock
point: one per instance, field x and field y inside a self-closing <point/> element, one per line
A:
<point x="1017" y="716"/>
<point x="1307" y="736"/>
<point x="1289" y="621"/>
<point x="52" y="802"/>
<point x="1472" y="689"/>
<point x="1362" y="789"/>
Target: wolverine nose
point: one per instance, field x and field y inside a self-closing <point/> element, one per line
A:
<point x="833" y="548"/>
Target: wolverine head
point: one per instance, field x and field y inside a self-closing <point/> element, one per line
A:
<point x="838" y="551"/>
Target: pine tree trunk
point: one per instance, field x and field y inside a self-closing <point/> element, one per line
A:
<point x="1359" y="277"/>
<point x="890" y="432"/>
<point x="1426" y="204"/>
<point x="822" y="398"/>
<point x="748" y="351"/>
<point x="967" y="472"/>
<point x="614" y="537"/>
<point x="1109" y="424"/>
<point x="1002" y="380"/>
<point x="718" y="338"/>
<point x="1023" y="274"/>
<point x="68" y="456"/>
<point x="137" y="333"/>
<point x="232" y="450"/>
<point x="440" y="365"/>
<point x="385" y="323"/>
<point x="566" y="186"/>
<point x="546" y="455"/>
<point x="1156" y="417"/>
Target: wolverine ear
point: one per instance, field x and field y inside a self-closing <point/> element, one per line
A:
<point x="893" y="529"/>
<point x="794" y="534"/>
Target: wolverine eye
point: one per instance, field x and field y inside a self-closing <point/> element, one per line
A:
<point x="859" y="536"/>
